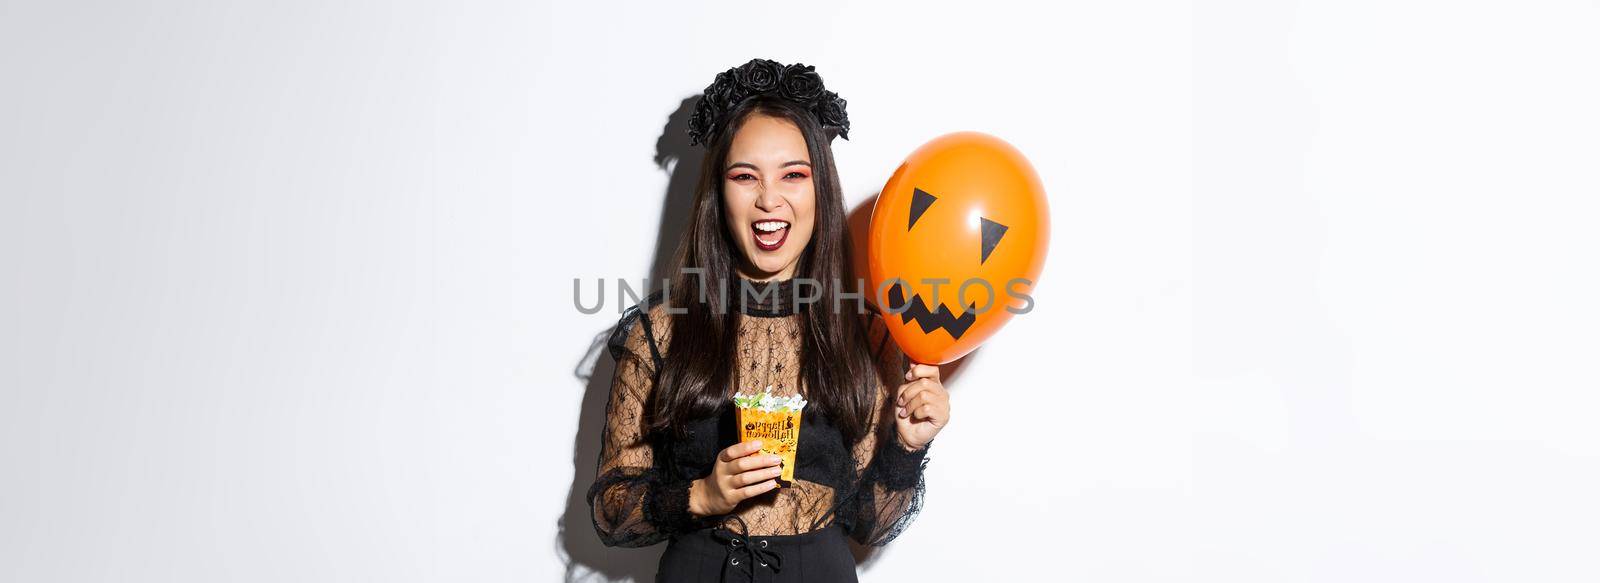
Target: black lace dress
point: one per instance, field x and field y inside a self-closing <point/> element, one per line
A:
<point x="869" y="491"/>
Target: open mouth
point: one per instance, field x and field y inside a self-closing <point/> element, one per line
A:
<point x="930" y="320"/>
<point x="770" y="234"/>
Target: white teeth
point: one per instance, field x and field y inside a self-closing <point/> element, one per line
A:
<point x="770" y="226"/>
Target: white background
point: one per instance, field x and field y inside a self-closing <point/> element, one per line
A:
<point x="288" y="286"/>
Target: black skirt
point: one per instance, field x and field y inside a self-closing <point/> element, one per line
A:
<point x="725" y="554"/>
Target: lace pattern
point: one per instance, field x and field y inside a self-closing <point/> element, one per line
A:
<point x="873" y="488"/>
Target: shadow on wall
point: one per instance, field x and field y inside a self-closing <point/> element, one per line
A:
<point x="585" y="557"/>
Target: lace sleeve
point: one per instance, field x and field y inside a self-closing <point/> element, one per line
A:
<point x="891" y="488"/>
<point x="633" y="500"/>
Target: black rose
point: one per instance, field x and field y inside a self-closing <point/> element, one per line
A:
<point x="801" y="83"/>
<point x="702" y="121"/>
<point x="718" y="98"/>
<point x="759" y="75"/>
<point x="796" y="83"/>
<point x="723" y="93"/>
<point x="831" y="113"/>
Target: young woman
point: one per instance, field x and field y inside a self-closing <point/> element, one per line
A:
<point x="768" y="213"/>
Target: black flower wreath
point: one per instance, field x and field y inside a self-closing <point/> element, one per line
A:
<point x="798" y="83"/>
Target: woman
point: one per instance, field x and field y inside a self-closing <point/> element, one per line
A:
<point x="768" y="215"/>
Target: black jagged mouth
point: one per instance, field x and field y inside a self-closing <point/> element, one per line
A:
<point x="930" y="320"/>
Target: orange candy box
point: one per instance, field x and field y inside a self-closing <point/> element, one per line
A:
<point x="773" y="420"/>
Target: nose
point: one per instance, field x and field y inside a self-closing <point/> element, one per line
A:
<point x="768" y="200"/>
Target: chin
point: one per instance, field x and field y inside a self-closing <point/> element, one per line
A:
<point x="772" y="267"/>
<point x="767" y="265"/>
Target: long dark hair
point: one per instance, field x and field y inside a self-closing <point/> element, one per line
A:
<point x="836" y="367"/>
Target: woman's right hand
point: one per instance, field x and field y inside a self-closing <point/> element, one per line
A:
<point x="741" y="472"/>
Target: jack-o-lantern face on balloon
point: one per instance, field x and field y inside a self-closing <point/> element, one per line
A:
<point x="957" y="239"/>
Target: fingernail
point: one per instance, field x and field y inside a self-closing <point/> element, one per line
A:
<point x="757" y="443"/>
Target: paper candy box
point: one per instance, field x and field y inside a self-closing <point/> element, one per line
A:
<point x="773" y="420"/>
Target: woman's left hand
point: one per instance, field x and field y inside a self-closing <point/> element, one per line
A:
<point x="922" y="406"/>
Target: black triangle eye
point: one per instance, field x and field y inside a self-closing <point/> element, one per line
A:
<point x="920" y="201"/>
<point x="992" y="232"/>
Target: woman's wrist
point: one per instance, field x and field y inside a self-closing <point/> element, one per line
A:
<point x="907" y="448"/>
<point x="897" y="466"/>
<point x="697" y="491"/>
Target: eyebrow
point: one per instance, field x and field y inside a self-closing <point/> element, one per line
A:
<point x="753" y="166"/>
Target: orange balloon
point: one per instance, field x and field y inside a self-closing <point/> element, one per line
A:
<point x="957" y="239"/>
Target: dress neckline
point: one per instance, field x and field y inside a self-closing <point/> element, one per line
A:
<point x="765" y="299"/>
